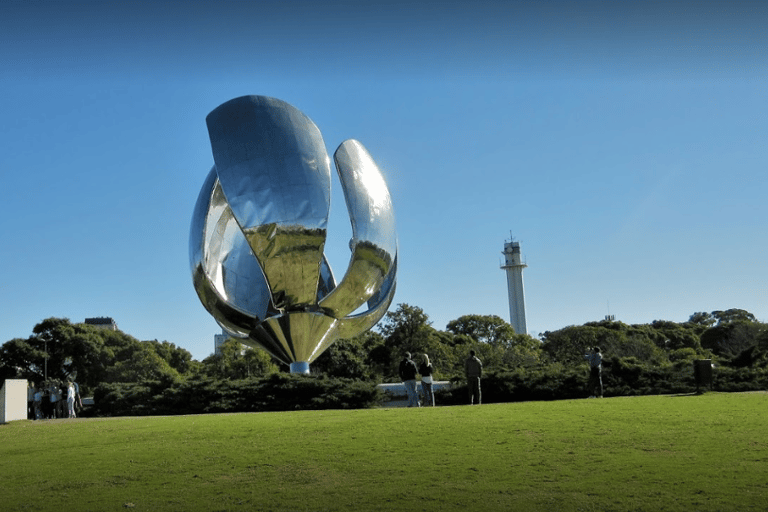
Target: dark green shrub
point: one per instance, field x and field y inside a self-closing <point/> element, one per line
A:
<point x="733" y="380"/>
<point x="545" y="382"/>
<point x="629" y="376"/>
<point x="122" y="399"/>
<point x="277" y="392"/>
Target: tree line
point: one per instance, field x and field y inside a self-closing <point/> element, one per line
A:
<point x="638" y="359"/>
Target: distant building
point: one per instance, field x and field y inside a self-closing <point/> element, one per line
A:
<point x="102" y="322"/>
<point x="218" y="341"/>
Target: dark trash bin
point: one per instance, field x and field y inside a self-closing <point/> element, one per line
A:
<point x="702" y="372"/>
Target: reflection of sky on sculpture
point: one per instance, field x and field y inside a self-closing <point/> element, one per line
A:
<point x="376" y="189"/>
<point x="367" y="195"/>
<point x="621" y="142"/>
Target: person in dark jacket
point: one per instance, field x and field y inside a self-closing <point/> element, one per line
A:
<point x="595" y="384"/>
<point x="408" y="373"/>
<point x="473" y="369"/>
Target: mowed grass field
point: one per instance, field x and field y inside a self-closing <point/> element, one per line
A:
<point x="702" y="453"/>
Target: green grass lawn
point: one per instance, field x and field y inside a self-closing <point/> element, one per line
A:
<point x="703" y="453"/>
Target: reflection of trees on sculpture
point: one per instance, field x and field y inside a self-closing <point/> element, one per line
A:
<point x="259" y="227"/>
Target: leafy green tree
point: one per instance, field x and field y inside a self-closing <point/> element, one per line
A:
<point x="236" y="361"/>
<point x="404" y="324"/>
<point x="404" y="330"/>
<point x="20" y="359"/>
<point x="730" y="339"/>
<point x="448" y="354"/>
<point x="736" y="331"/>
<point x="130" y="360"/>
<point x="120" y="345"/>
<point x="489" y="329"/>
<point x="60" y="349"/>
<point x="143" y="365"/>
<point x="508" y="350"/>
<point x="377" y="354"/>
<point x="615" y="339"/>
<point x="568" y="345"/>
<point x="492" y="357"/>
<point x="90" y="355"/>
<point x="674" y="336"/>
<point x="407" y="329"/>
<point x="178" y="358"/>
<point x="346" y="358"/>
<point x="733" y="315"/>
<point x="702" y="318"/>
<point x="523" y="350"/>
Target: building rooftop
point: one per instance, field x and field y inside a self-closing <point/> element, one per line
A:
<point x="102" y="321"/>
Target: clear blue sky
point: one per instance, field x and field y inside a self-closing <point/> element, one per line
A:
<point x="622" y="143"/>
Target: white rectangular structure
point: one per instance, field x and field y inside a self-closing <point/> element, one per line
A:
<point x="13" y="400"/>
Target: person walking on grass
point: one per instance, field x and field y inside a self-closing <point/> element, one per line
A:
<point x="595" y="384"/>
<point x="408" y="373"/>
<point x="473" y="369"/>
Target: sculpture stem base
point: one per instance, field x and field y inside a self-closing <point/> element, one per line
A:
<point x="300" y="367"/>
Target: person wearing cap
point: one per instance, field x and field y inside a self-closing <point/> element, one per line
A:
<point x="408" y="373"/>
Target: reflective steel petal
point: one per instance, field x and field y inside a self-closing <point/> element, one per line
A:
<point x="374" y="242"/>
<point x="275" y="173"/>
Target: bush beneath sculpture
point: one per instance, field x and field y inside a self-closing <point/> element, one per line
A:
<point x="277" y="392"/>
<point x="287" y="392"/>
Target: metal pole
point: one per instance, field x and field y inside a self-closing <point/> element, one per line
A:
<point x="46" y="360"/>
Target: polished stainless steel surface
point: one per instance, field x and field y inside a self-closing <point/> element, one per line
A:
<point x="259" y="228"/>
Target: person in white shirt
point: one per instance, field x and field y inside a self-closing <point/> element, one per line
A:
<point x="70" y="400"/>
<point x="425" y="370"/>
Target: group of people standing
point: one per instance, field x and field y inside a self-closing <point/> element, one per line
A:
<point x="473" y="370"/>
<point x="408" y="370"/>
<point x="53" y="399"/>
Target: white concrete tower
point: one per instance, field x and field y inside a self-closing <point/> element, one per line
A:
<point x="514" y="267"/>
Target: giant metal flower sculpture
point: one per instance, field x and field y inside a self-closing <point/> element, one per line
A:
<point x="259" y="227"/>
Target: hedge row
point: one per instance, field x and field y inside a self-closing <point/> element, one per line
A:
<point x="277" y="392"/>
<point x="621" y="377"/>
<point x="281" y="392"/>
